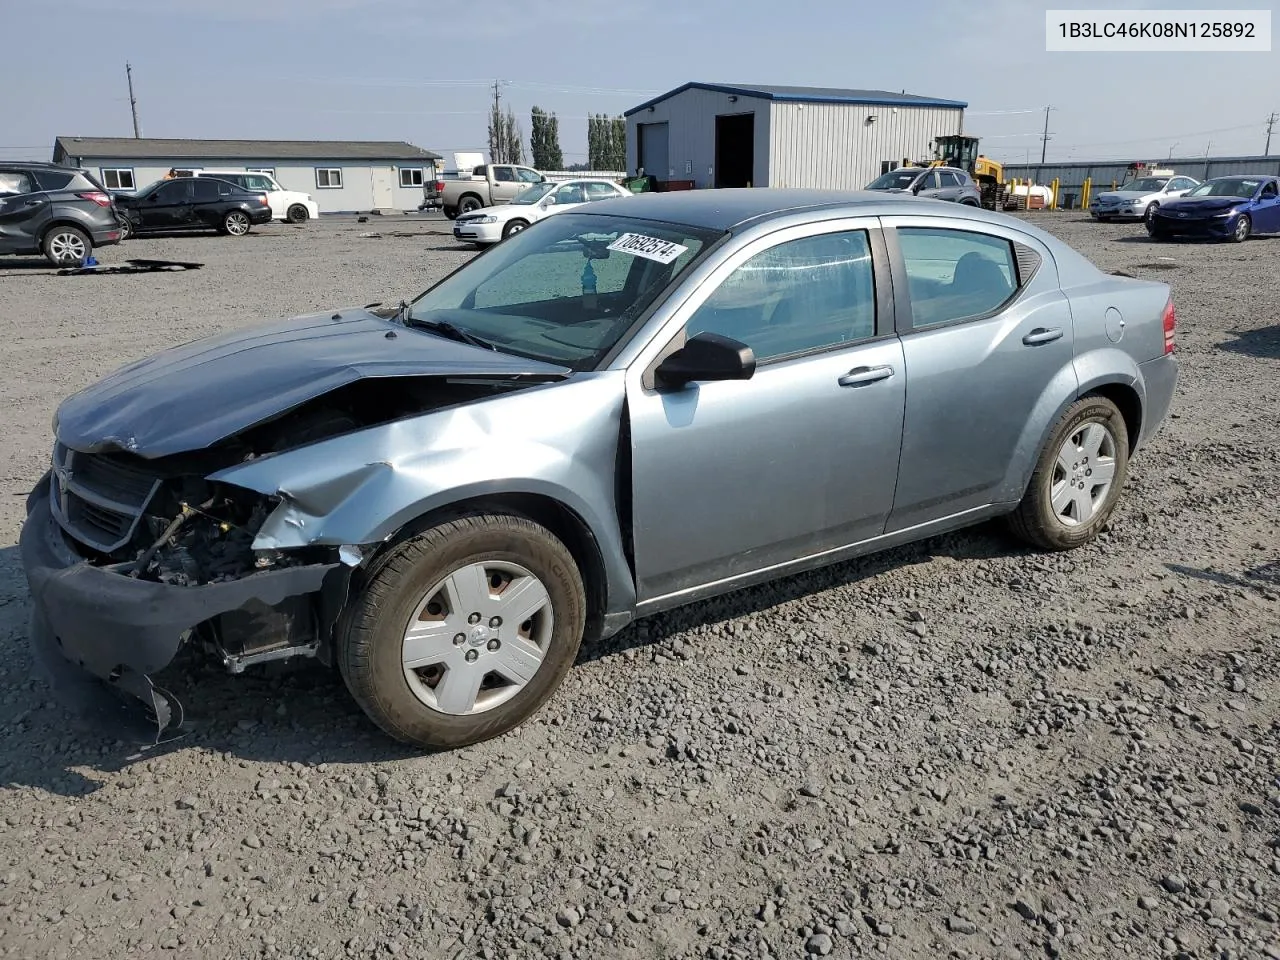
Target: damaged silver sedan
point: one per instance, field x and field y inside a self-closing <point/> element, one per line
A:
<point x="612" y="413"/>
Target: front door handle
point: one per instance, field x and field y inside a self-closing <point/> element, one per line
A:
<point x="1042" y="335"/>
<point x="861" y="376"/>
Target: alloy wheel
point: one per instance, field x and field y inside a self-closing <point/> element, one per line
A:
<point x="67" y="247"/>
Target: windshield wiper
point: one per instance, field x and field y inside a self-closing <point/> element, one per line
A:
<point x="444" y="328"/>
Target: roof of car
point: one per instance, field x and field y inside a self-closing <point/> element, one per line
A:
<point x="726" y="208"/>
<point x="37" y="165"/>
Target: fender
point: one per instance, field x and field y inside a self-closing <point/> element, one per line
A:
<point x="1089" y="371"/>
<point x="361" y="488"/>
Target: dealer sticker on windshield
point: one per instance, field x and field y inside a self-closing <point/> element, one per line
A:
<point x="652" y="248"/>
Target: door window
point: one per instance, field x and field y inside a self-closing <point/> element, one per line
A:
<point x="570" y="193"/>
<point x="176" y="191"/>
<point x="949" y="179"/>
<point x="13" y="183"/>
<point x="928" y="181"/>
<point x="207" y="190"/>
<point x="801" y="295"/>
<point x="1269" y="192"/>
<point x="504" y="174"/>
<point x="955" y="275"/>
<point x="258" y="183"/>
<point x="528" y="176"/>
<point x="599" y="191"/>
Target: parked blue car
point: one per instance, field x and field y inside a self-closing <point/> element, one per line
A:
<point x="1224" y="208"/>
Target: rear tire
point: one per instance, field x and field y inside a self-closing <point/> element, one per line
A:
<point x="236" y="223"/>
<point x="502" y="672"/>
<point x="297" y="213"/>
<point x="66" y="246"/>
<point x="469" y="203"/>
<point x="1078" y="478"/>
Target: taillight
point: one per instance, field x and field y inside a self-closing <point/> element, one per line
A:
<point x="1170" y="321"/>
<point x="101" y="199"/>
<point x="263" y="198"/>
<point x="439" y="186"/>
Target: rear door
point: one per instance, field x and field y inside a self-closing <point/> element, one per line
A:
<point x="25" y="211"/>
<point x="949" y="185"/>
<point x="210" y="201"/>
<point x="987" y="341"/>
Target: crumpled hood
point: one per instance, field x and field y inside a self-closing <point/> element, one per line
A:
<point x="195" y="395"/>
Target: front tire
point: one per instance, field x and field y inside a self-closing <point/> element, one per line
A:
<point x="450" y="213"/>
<point x="126" y="228"/>
<point x="296" y="213"/>
<point x="512" y="227"/>
<point x="236" y="223"/>
<point x="1244" y="226"/>
<point x="1078" y="478"/>
<point x="66" y="246"/>
<point x="1149" y="215"/>
<point x="464" y="631"/>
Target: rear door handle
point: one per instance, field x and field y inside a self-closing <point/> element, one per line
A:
<point x="1042" y="335"/>
<point x="861" y="376"/>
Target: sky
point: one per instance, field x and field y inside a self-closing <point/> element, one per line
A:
<point x="423" y="72"/>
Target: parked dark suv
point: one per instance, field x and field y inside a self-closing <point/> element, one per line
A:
<point x="940" y="183"/>
<point x="62" y="212"/>
<point x="200" y="203"/>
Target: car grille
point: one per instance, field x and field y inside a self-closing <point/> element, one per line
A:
<point x="98" y="498"/>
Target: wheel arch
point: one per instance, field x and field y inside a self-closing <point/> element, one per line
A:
<point x="562" y="520"/>
<point x="65" y="222"/>
<point x="1127" y="399"/>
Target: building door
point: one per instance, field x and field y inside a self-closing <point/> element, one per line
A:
<point x="652" y="143"/>
<point x="383" y="195"/>
<point x="735" y="149"/>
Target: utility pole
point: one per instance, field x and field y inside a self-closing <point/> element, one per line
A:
<point x="1271" y="122"/>
<point x="133" y="104"/>
<point x="1044" y="143"/>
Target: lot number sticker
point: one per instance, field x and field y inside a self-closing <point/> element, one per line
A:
<point x="652" y="248"/>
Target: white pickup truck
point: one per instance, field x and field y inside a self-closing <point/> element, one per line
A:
<point x="488" y="185"/>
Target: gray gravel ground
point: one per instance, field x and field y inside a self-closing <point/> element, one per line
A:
<point x="959" y="748"/>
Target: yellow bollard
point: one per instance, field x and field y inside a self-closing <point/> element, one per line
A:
<point x="1084" y="193"/>
<point x="1053" y="199"/>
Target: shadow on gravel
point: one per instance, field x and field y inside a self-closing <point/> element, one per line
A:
<point x="1261" y="577"/>
<point x="983" y="542"/>
<point x="19" y="265"/>
<point x="1264" y="343"/>
<point x="300" y="711"/>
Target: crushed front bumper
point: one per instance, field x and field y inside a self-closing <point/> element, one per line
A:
<point x="98" y="633"/>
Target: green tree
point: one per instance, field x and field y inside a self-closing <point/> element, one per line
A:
<point x="505" y="140"/>
<point x="544" y="140"/>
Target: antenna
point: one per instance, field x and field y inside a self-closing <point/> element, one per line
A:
<point x="133" y="104"/>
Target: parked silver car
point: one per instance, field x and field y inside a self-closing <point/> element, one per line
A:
<point x="622" y="409"/>
<point x="934" y="183"/>
<point x="1138" y="199"/>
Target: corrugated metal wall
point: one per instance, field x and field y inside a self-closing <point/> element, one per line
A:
<point x="1072" y="175"/>
<point x="691" y="131"/>
<point x="832" y="145"/>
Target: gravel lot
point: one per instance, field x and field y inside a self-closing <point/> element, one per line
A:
<point x="960" y="748"/>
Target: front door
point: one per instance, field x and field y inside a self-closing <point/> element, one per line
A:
<point x="384" y="197"/>
<point x="24" y="211"/>
<point x="1266" y="210"/>
<point x="506" y="184"/>
<point x="170" y="205"/>
<point x="985" y="338"/>
<point x="733" y="477"/>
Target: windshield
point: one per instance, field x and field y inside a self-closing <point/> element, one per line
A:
<point x="1226" y="187"/>
<point x="894" y="180"/>
<point x="534" y="193"/>
<point x="567" y="291"/>
<point x="1147" y="185"/>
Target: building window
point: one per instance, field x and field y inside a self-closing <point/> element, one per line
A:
<point x="410" y="176"/>
<point x="329" y="177"/>
<point x="117" y="178"/>
<point x="269" y="171"/>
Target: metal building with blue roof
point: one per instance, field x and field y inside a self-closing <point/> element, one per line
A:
<point x="736" y="135"/>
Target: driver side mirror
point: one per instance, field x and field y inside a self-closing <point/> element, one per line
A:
<point x="709" y="357"/>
